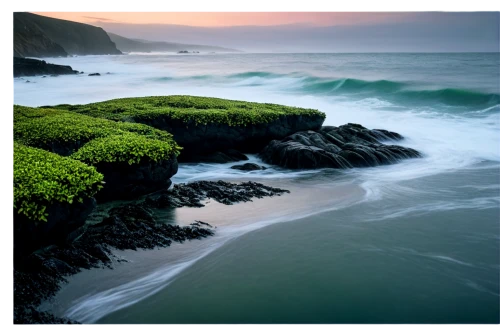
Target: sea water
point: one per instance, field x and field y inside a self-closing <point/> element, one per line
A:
<point x="413" y="242"/>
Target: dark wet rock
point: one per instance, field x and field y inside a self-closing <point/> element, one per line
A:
<point x="200" y="140"/>
<point x="192" y="194"/>
<point x="94" y="74"/>
<point x="248" y="167"/>
<point x="227" y="156"/>
<point x="38" y="276"/>
<point x="63" y="222"/>
<point x="236" y="155"/>
<point x="200" y="223"/>
<point x="125" y="181"/>
<point x="33" y="67"/>
<point x="343" y="147"/>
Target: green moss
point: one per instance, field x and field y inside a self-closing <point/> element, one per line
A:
<point x="43" y="128"/>
<point x="198" y="110"/>
<point x="62" y="127"/>
<point x="24" y="113"/>
<point x="42" y="178"/>
<point x="126" y="147"/>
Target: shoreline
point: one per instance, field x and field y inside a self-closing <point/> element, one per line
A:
<point x="126" y="226"/>
<point x="96" y="292"/>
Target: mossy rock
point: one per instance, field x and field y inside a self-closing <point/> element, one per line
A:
<point x="42" y="178"/>
<point x="204" y="125"/>
<point x="53" y="195"/>
<point x="189" y="110"/>
<point x="136" y="151"/>
<point x="64" y="132"/>
<point x="132" y="164"/>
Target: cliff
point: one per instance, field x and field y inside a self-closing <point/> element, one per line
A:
<point x="140" y="45"/>
<point x="40" y="36"/>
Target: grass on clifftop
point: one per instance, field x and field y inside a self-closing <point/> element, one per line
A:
<point x="188" y="109"/>
<point x="44" y="128"/>
<point x="42" y="178"/>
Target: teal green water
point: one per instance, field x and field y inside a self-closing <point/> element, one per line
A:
<point x="429" y="259"/>
<point x="418" y="242"/>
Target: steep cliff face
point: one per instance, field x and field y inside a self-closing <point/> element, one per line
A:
<point x="30" y="41"/>
<point x="39" y="36"/>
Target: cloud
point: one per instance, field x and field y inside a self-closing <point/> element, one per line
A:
<point x="98" y="18"/>
<point x="418" y="32"/>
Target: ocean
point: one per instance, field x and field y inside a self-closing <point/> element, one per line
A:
<point x="415" y="242"/>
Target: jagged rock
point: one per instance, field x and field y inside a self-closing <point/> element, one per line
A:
<point x="192" y="194"/>
<point x="94" y="74"/>
<point x="248" y="167"/>
<point x="343" y="147"/>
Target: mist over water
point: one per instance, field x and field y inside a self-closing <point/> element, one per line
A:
<point x="422" y="234"/>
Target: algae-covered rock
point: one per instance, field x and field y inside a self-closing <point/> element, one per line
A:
<point x="203" y="125"/>
<point x="53" y="195"/>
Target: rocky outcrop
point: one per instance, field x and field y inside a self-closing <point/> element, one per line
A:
<point x="343" y="147"/>
<point x="125" y="181"/>
<point x="248" y="167"/>
<point x="62" y="226"/>
<point x="40" y="36"/>
<point x="33" y="67"/>
<point x="202" y="139"/>
<point x="192" y="194"/>
<point x="230" y="155"/>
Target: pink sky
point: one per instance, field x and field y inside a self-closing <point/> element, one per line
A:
<point x="230" y="19"/>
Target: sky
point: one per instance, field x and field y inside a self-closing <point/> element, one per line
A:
<point x="308" y="31"/>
